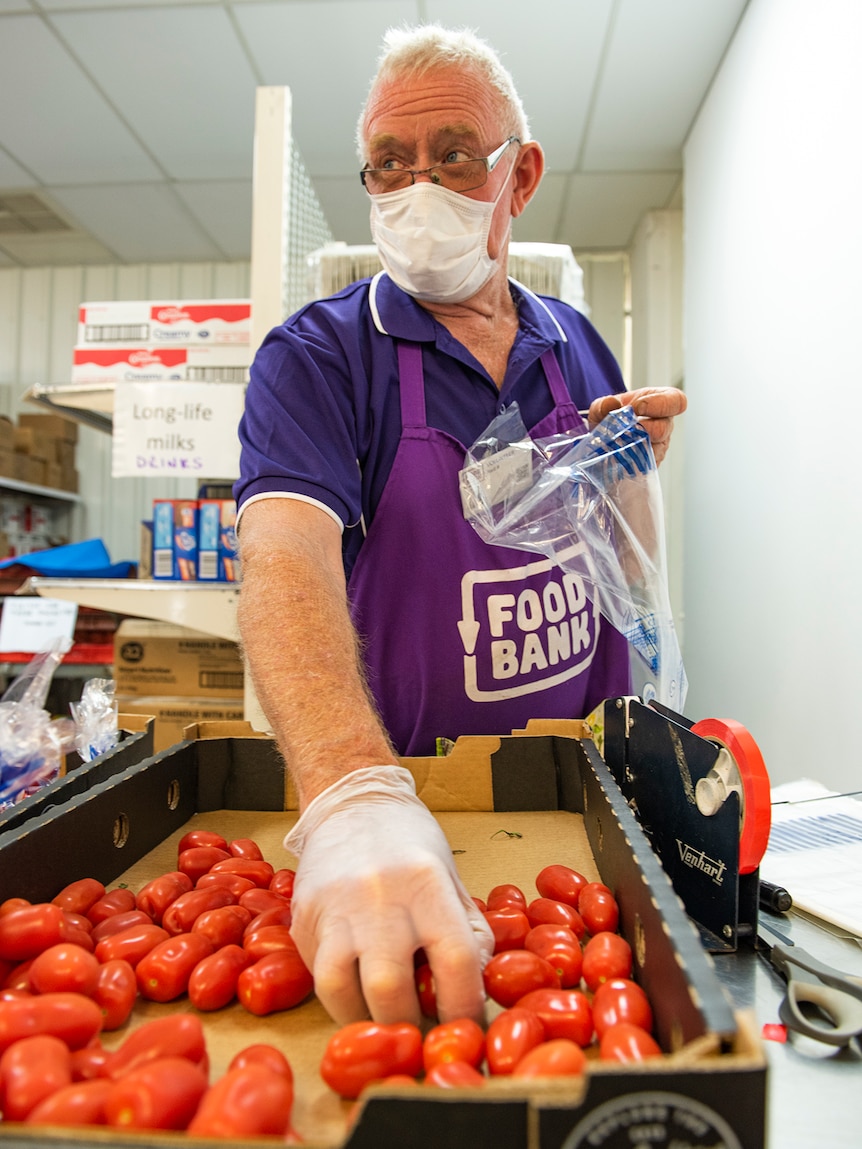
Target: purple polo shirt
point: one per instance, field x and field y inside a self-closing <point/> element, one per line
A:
<point x="322" y="417"/>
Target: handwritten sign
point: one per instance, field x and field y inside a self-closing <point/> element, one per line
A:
<point x="31" y="625"/>
<point x="172" y="430"/>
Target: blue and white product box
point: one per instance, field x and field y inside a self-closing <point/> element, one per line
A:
<point x="175" y="539"/>
<point x="218" y="559"/>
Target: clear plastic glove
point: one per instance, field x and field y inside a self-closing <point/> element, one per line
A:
<point x="376" y="881"/>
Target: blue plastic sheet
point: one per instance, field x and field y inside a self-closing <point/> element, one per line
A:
<point x="88" y="559"/>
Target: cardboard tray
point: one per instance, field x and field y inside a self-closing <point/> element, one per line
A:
<point x="135" y="743"/>
<point x="508" y="807"/>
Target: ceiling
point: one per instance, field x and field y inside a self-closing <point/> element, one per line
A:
<point x="126" y="129"/>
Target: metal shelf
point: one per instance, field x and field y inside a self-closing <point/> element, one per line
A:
<point x="7" y="484"/>
<point x="89" y="403"/>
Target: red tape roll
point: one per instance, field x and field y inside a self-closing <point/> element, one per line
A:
<point x="756" y="798"/>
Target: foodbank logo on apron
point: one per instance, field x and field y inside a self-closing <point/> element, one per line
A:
<point x="527" y="628"/>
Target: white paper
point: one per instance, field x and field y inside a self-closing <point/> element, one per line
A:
<point x="31" y="624"/>
<point x="175" y="430"/>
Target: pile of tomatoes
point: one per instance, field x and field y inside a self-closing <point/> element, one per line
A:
<point x="217" y="930"/>
<point x="560" y="972"/>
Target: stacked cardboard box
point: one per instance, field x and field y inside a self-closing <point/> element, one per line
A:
<point x="40" y="450"/>
<point x="179" y="676"/>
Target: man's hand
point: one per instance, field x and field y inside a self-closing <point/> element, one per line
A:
<point x="375" y="882"/>
<point x="656" y="406"/>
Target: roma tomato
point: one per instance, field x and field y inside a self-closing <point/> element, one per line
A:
<point x="606" y="955"/>
<point x="212" y="984"/>
<point x="117" y="922"/>
<point x="199" y="860"/>
<point x="177" y="1035"/>
<point x="282" y="882"/>
<point x="64" y="968"/>
<point x="181" y="914"/>
<point x="366" y="1051"/>
<point x="560" y="883"/>
<point x="26" y="931"/>
<point x="78" y="896"/>
<point x="426" y="991"/>
<point x="115" y="993"/>
<point x="509" y="926"/>
<point x="277" y="981"/>
<point x="73" y="1018"/>
<point x="247" y="1101"/>
<point x="155" y="897"/>
<point x="90" y="1061"/>
<point x="506" y="894"/>
<point x="511" y="1035"/>
<point x="259" y="900"/>
<point x="245" y="848"/>
<point x="548" y="911"/>
<point x="30" y="1070"/>
<point x="454" y="1075"/>
<point x="81" y="1103"/>
<point x="163" y="974"/>
<point x="563" y="1013"/>
<point x="276" y="916"/>
<point x="459" y="1040"/>
<point x="627" y="1043"/>
<point x="261" y="1053"/>
<point x="512" y="973"/>
<point x="162" y="1094"/>
<point x="233" y="882"/>
<point x="558" y="1057"/>
<point x="201" y="838"/>
<point x="268" y="940"/>
<point x="223" y="926"/>
<point x="565" y="957"/>
<point x="118" y="901"/>
<point x="131" y="944"/>
<point x="255" y="870"/>
<point x="599" y="909"/>
<point x="620" y="999"/>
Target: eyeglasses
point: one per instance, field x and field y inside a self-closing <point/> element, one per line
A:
<point x="459" y="176"/>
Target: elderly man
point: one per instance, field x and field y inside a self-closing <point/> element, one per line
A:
<point x="357" y="559"/>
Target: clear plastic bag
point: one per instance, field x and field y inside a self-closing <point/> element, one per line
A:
<point x="95" y="717"/>
<point x="601" y="488"/>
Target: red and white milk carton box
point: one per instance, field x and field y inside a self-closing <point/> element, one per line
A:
<point x="209" y="363"/>
<point x="177" y="323"/>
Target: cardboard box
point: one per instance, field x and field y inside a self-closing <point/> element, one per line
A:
<point x="207" y="363"/>
<point x="172" y="715"/>
<point x="167" y="661"/>
<point x="508" y="806"/>
<point x="55" y="426"/>
<point x="175" y="539"/>
<point x="7" y="434"/>
<point x="177" y="322"/>
<point x="218" y="549"/>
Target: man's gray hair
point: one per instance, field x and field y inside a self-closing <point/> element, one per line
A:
<point x="409" y="52"/>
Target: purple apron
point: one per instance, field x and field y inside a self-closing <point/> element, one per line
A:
<point x="458" y="636"/>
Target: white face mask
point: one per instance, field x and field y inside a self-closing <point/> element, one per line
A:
<point x="433" y="242"/>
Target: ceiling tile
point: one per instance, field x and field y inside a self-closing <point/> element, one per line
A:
<point x="11" y="174"/>
<point x="138" y="222"/>
<point x="60" y="129"/>
<point x="54" y="250"/>
<point x="180" y="79"/>
<point x="602" y="211"/>
<point x="224" y="211"/>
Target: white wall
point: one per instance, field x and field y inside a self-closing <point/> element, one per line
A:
<point x="773" y="253"/>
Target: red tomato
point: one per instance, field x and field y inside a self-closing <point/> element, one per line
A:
<point x="606" y="955"/>
<point x="72" y="1017"/>
<point x="199" y="860"/>
<point x="163" y="974"/>
<point x="558" y="1057"/>
<point x="64" y="968"/>
<point x="257" y="871"/>
<point x="565" y="957"/>
<point x="426" y="990"/>
<point x="245" y="848"/>
<point x="180" y="915"/>
<point x="90" y="1061"/>
<point x="162" y="1094"/>
<point x="506" y="894"/>
<point x="481" y="905"/>
<point x="116" y="992"/>
<point x="563" y="1012"/>
<point x="459" y="1040"/>
<point x="282" y="882"/>
<point x="561" y="883"/>
<point x="259" y="900"/>
<point x="548" y="934"/>
<point x="247" y="1101"/>
<point x="82" y="938"/>
<point x="454" y="1075"/>
<point x="542" y="911"/>
<point x="366" y="1051"/>
<point x="620" y="999"/>
<point x="509" y="926"/>
<point x="223" y="926"/>
<point x="268" y="940"/>
<point x="212" y="983"/>
<point x="599" y="909"/>
<point x="155" y="897"/>
<point x="510" y="1035"/>
<point x="277" y="981"/>
<point x="627" y="1043"/>
<point x="201" y="838"/>
<point x="12" y="904"/>
<point x="78" y="922"/>
<point x="118" y="901"/>
<point x="117" y="922"/>
<point x="27" y="931"/>
<point x="276" y="916"/>
<point x="176" y="1035"/>
<point x="512" y="973"/>
<point x="78" y="896"/>
<point x="131" y="944"/>
<point x="30" y="1070"/>
<point x="18" y="981"/>
<point x="81" y="1103"/>
<point x="261" y="1053"/>
<point x="233" y="882"/>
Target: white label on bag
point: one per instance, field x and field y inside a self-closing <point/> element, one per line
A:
<point x="495" y="479"/>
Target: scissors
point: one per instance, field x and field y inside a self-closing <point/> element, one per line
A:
<point x="820" y="1002"/>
